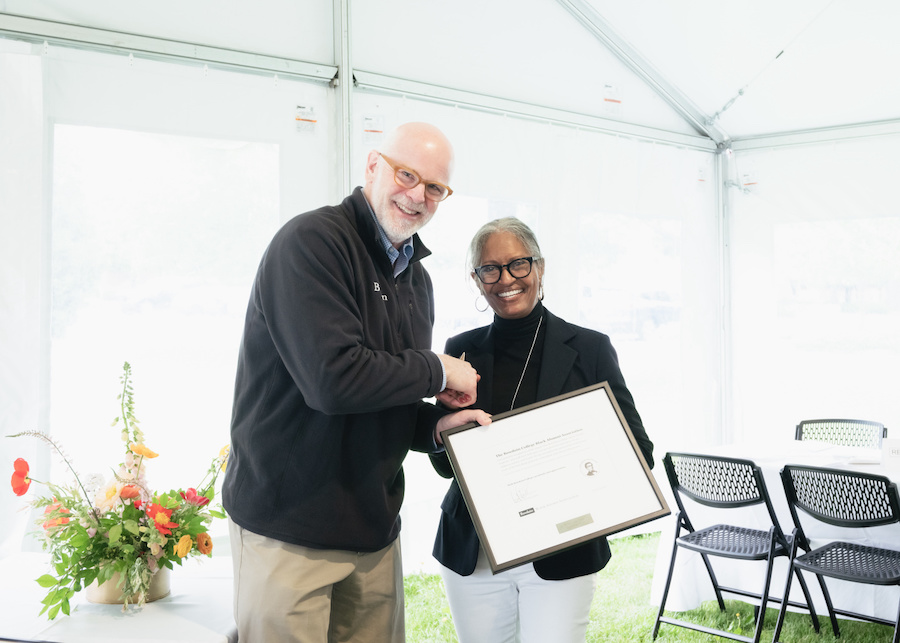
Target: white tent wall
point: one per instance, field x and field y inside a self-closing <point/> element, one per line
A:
<point x="152" y="168"/>
<point x="23" y="277"/>
<point x="815" y="284"/>
<point x="205" y="159"/>
<point x="138" y="198"/>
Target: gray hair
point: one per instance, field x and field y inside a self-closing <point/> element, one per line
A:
<point x="513" y="226"/>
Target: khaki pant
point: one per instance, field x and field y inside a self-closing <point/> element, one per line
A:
<point x="286" y="593"/>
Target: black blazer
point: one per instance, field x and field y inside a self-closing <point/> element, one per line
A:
<point x="573" y="357"/>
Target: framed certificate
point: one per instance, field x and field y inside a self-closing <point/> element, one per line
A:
<point x="552" y="475"/>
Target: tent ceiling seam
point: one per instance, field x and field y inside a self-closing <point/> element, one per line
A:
<point x="820" y="135"/>
<point x="603" y="31"/>
<point x="492" y="104"/>
<point x="92" y="39"/>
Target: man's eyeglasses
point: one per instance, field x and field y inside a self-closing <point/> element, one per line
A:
<point x="490" y="273"/>
<point x="406" y="178"/>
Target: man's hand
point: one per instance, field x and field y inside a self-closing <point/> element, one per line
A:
<point x="462" y="382"/>
<point x="458" y="419"/>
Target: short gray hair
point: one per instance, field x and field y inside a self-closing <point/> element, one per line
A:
<point x="513" y="226"/>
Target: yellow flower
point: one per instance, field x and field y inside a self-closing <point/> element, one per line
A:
<point x="138" y="448"/>
<point x="184" y="546"/>
<point x="224" y="452"/>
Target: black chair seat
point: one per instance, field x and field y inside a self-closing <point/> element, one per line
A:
<point x="849" y="561"/>
<point x="725" y="484"/>
<point x="849" y="500"/>
<point x="730" y="541"/>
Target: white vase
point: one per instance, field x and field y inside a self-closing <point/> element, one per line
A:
<point x="110" y="592"/>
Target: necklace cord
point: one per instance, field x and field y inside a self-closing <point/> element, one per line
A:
<point x="527" y="359"/>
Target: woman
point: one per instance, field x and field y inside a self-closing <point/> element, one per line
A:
<point x="526" y="355"/>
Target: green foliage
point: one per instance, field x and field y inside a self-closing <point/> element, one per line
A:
<point x="621" y="611"/>
<point x="123" y="527"/>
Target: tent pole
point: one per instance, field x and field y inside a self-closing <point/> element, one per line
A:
<point x="343" y="82"/>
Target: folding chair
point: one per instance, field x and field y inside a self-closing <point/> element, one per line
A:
<point x="846" y="499"/>
<point x="724" y="483"/>
<point x="847" y="433"/>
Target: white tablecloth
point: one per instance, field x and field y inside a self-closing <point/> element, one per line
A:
<point x="690" y="583"/>
<point x="198" y="610"/>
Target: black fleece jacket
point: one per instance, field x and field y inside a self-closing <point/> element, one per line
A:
<point x="334" y="362"/>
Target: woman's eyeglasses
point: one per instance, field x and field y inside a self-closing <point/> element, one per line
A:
<point x="490" y="273"/>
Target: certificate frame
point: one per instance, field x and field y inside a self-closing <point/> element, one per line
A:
<point x="552" y="475"/>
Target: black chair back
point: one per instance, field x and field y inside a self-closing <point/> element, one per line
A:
<point x="715" y="481"/>
<point x="847" y="433"/>
<point x="841" y="497"/>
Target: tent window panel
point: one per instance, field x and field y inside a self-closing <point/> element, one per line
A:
<point x="155" y="240"/>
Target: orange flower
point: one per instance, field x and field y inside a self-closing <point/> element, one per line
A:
<point x="20" y="479"/>
<point x="138" y="448"/>
<point x="204" y="543"/>
<point x="184" y="546"/>
<point x="161" y="517"/>
<point x="55" y="522"/>
<point x="129" y="491"/>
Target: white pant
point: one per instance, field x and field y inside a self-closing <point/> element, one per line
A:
<point x="517" y="605"/>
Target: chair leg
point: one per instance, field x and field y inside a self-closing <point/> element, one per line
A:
<point x="714" y="581"/>
<point x="834" y="623"/>
<point x="809" y="603"/>
<point x="897" y="628"/>
<point x="787" y="590"/>
<point x="764" y="595"/>
<point x="665" y="594"/>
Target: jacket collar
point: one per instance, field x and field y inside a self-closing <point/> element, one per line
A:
<point x="557" y="359"/>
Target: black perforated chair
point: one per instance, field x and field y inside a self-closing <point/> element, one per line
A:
<point x="847" y="433"/>
<point x="846" y="499"/>
<point x="724" y="483"/>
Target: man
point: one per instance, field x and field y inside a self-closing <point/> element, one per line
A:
<point x="334" y="362"/>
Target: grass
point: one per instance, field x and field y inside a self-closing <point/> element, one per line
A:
<point x="621" y="611"/>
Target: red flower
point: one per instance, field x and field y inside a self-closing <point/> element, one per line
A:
<point x="55" y="522"/>
<point x="193" y="498"/>
<point x="20" y="479"/>
<point x="161" y="517"/>
<point x="129" y="491"/>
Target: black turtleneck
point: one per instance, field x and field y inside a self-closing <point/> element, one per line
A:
<point x="512" y="343"/>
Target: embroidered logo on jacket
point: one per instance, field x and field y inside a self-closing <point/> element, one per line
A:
<point x="378" y="289"/>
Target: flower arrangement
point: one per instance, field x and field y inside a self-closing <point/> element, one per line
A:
<point x="95" y="529"/>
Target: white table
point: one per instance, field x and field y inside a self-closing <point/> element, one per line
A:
<point x="198" y="610"/>
<point x="690" y="582"/>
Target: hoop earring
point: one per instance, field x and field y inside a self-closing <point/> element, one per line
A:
<point x="480" y="296"/>
<point x="541" y="292"/>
